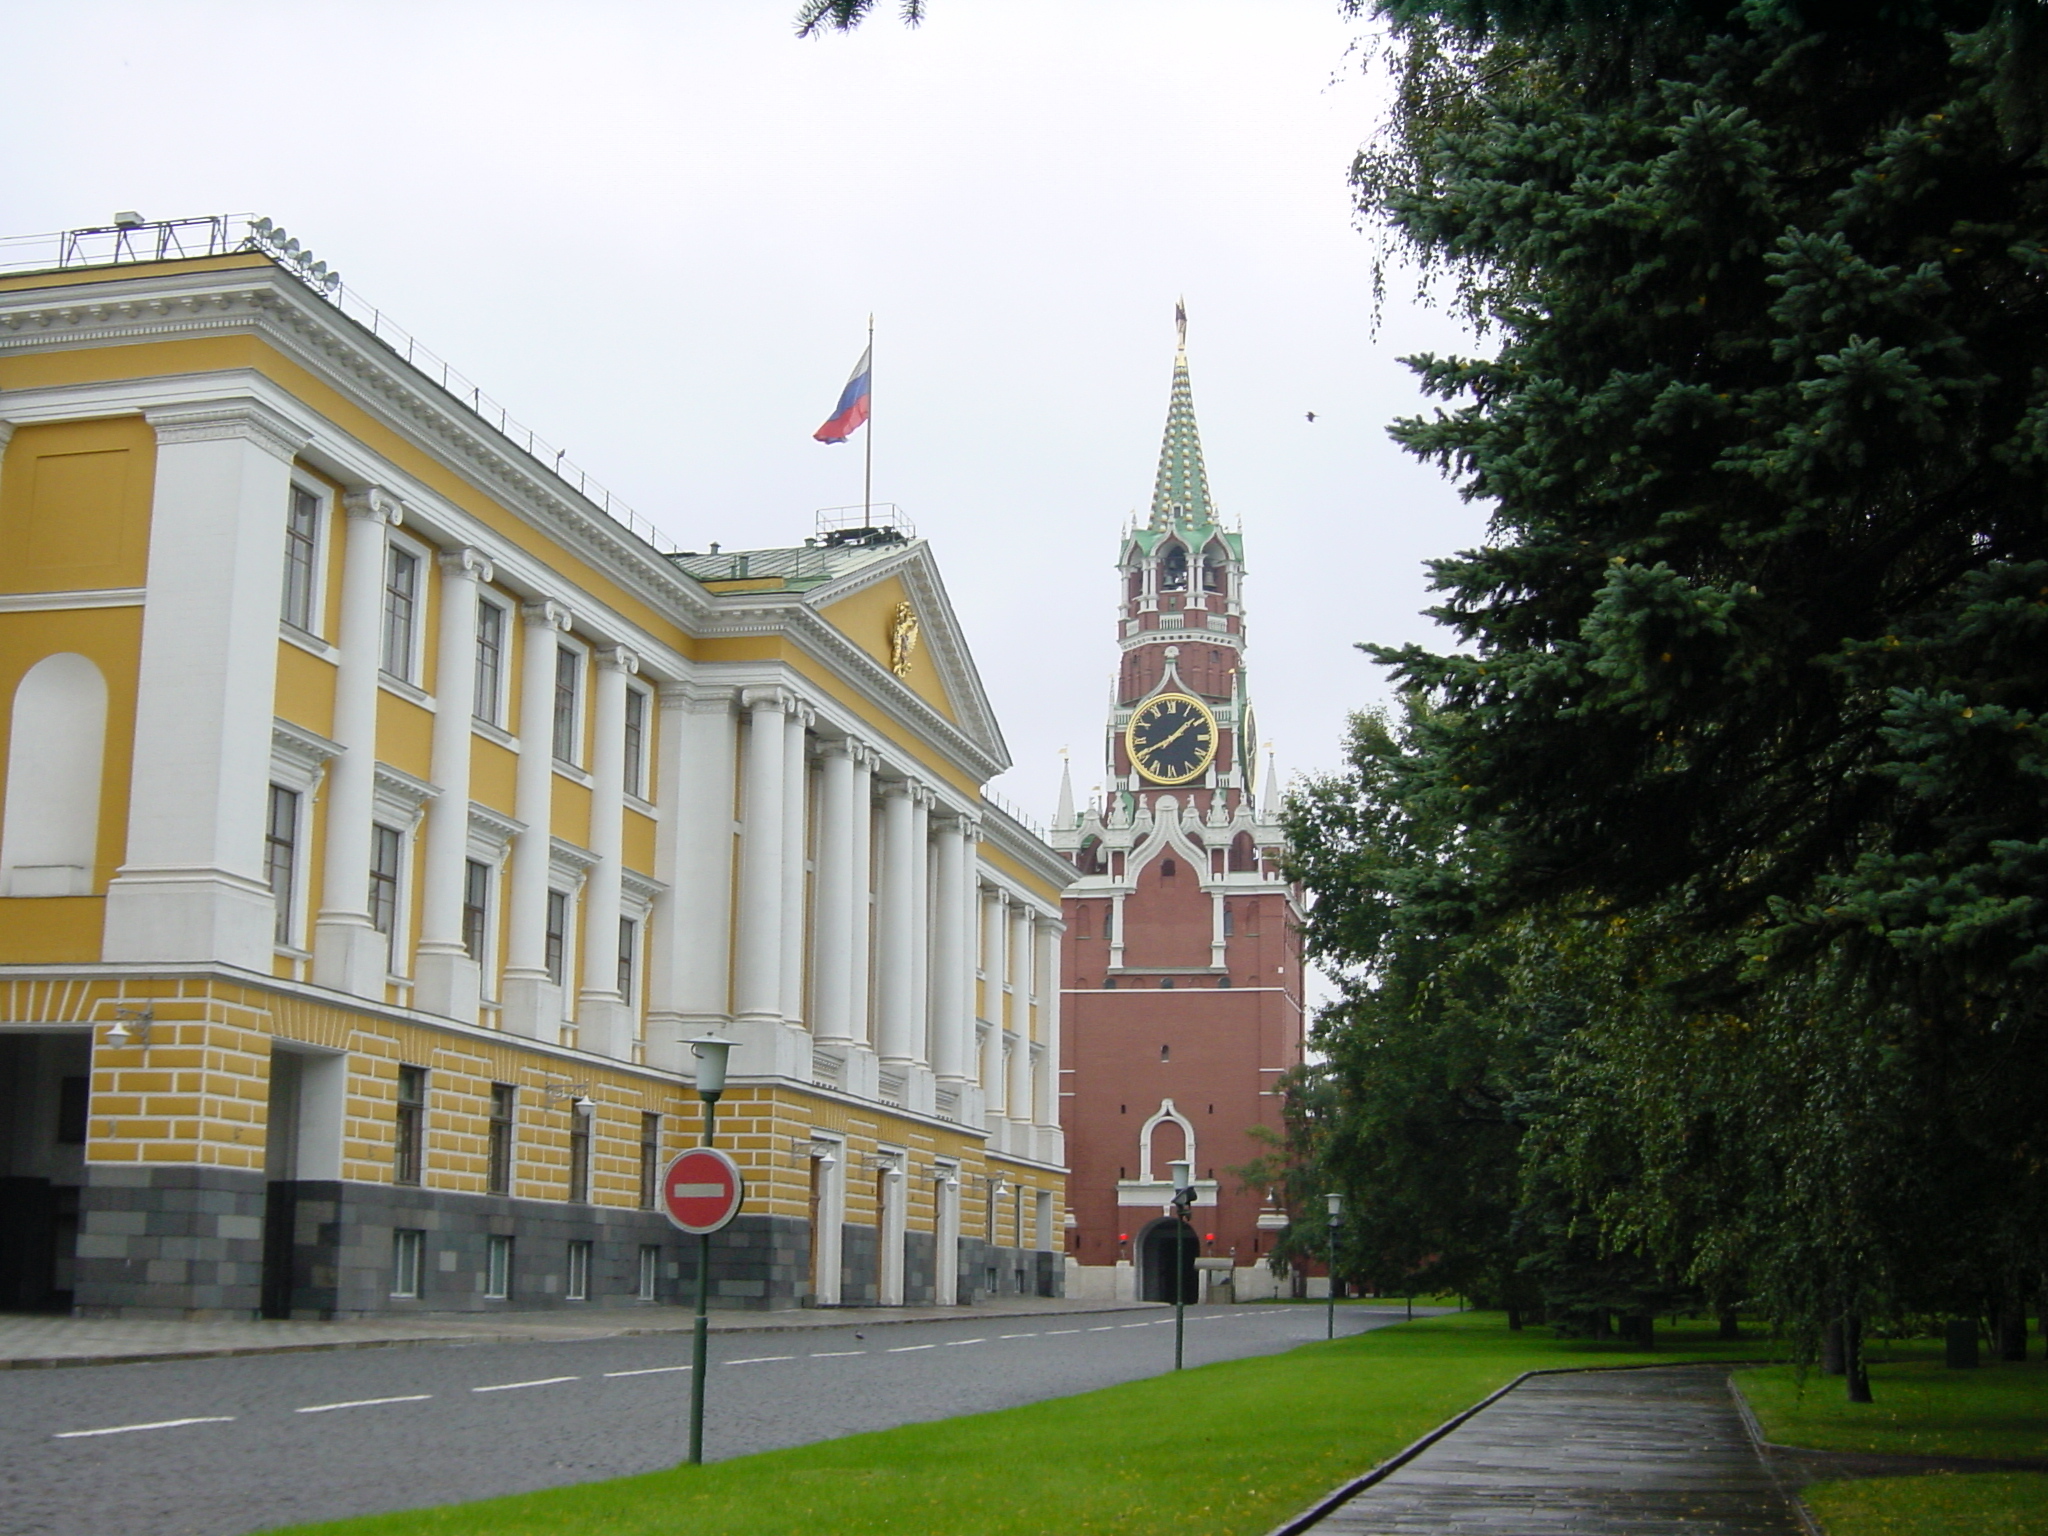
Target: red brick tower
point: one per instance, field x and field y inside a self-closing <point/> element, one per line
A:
<point x="1181" y="965"/>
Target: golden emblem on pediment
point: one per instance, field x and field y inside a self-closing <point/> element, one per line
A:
<point x="903" y="633"/>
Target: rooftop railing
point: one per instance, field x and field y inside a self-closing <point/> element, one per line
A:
<point x="131" y="239"/>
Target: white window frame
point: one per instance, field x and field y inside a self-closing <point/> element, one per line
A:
<point x="415" y="661"/>
<point x="490" y="840"/>
<point x="639" y="765"/>
<point x="298" y="761"/>
<point x="568" y="953"/>
<point x="399" y="801"/>
<point x="580" y="715"/>
<point x="498" y="1254"/>
<point x="285" y="924"/>
<point x="323" y="522"/>
<point x="650" y="1271"/>
<point x="408" y="1253"/>
<point x="495" y="717"/>
<point x="581" y="1253"/>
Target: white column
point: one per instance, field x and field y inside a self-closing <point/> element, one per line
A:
<point x="835" y="889"/>
<point x="864" y="764"/>
<point x="1017" y="1095"/>
<point x="946" y="1240"/>
<point x="603" y="1023"/>
<point x="192" y="884"/>
<point x="689" y="976"/>
<point x="796" y="807"/>
<point x="533" y="1004"/>
<point x="951" y="976"/>
<point x="895" y="1001"/>
<point x="1045" y="1111"/>
<point x="757" y="983"/>
<point x="349" y="954"/>
<point x="994" y="967"/>
<point x="920" y="1091"/>
<point x="450" y="982"/>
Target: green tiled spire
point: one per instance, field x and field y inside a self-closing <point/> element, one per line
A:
<point x="1180" y="495"/>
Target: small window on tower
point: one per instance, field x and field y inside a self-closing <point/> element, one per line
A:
<point x="1173" y="570"/>
<point x="1168" y="868"/>
<point x="1212" y="574"/>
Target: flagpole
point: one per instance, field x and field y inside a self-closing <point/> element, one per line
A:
<point x="867" y="488"/>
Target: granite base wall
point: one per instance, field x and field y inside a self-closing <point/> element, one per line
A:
<point x="169" y="1243"/>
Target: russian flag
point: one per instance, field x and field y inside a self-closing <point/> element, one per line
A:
<point x="852" y="409"/>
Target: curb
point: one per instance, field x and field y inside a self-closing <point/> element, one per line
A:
<point x="237" y="1351"/>
<point x="1348" y="1491"/>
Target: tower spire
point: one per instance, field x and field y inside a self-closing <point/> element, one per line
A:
<point x="1180" y="494"/>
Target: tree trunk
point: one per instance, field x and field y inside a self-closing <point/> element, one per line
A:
<point x="1514" y="1319"/>
<point x="2012" y="1325"/>
<point x="1832" y="1362"/>
<point x="1731" y="1326"/>
<point x="1853" y="1364"/>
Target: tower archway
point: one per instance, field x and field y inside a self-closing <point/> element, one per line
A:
<point x="1167" y="1250"/>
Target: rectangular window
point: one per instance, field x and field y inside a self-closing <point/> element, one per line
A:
<point x="412" y="1125"/>
<point x="579" y="1155"/>
<point x="281" y="857"/>
<point x="301" y="557"/>
<point x="650" y="1269"/>
<point x="490" y="663"/>
<point x="650" y="1160"/>
<point x="579" y="1269"/>
<point x="568" y="677"/>
<point x="636" y="743"/>
<point x="557" y="935"/>
<point x="629" y="948"/>
<point x="498" y="1269"/>
<point x="385" y="847"/>
<point x="405" y="1262"/>
<point x="498" y="1174"/>
<point x="476" y="908"/>
<point x="401" y="610"/>
<point x="1229" y="920"/>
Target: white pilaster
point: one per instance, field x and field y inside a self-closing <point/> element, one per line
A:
<point x="796" y="805"/>
<point x="835" y="890"/>
<point x="757" y="984"/>
<point x="192" y="884"/>
<point x="689" y="960"/>
<point x="533" y="1003"/>
<point x="862" y="1066"/>
<point x="603" y="1023"/>
<point x="994" y="968"/>
<point x="348" y="953"/>
<point x="1046" y="1094"/>
<point x="895" y="1001"/>
<point x="1017" y="1094"/>
<point x="921" y="1093"/>
<point x="952" y="976"/>
<point x="450" y="982"/>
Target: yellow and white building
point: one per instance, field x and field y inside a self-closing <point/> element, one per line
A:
<point x="381" y="815"/>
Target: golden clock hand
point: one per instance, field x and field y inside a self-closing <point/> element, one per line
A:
<point x="1160" y="746"/>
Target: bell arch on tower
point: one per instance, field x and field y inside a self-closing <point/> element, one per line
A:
<point x="1173" y="567"/>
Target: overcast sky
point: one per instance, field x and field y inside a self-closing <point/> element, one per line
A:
<point x="655" y="229"/>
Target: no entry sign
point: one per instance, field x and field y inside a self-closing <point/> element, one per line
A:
<point x="701" y="1190"/>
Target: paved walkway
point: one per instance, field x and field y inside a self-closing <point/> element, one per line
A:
<point x="40" y="1339"/>
<point x="1593" y="1453"/>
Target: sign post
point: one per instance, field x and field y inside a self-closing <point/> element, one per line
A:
<point x="701" y="1191"/>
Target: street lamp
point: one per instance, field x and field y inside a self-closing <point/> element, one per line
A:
<point x="711" y="1053"/>
<point x="1336" y="1204"/>
<point x="1183" y="1175"/>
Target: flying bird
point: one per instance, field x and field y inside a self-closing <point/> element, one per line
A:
<point x="1311" y="415"/>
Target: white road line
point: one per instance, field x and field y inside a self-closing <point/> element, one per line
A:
<point x="1131" y="1325"/>
<point x="837" y="1354"/>
<point x="649" y="1370"/>
<point x="956" y="1343"/>
<point x="365" y="1402"/>
<point x="1028" y="1335"/>
<point x="1104" y="1328"/>
<point x="514" y="1386"/>
<point x="129" y="1429"/>
<point x="1053" y="1333"/>
<point x="904" y="1349"/>
<point x="760" y="1359"/>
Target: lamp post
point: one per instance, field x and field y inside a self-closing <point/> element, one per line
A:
<point x="1183" y="1176"/>
<point x="711" y="1053"/>
<point x="1336" y="1204"/>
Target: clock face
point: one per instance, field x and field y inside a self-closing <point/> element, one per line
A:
<point x="1171" y="738"/>
<point x="1248" y="752"/>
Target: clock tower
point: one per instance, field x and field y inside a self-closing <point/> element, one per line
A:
<point x="1182" y="984"/>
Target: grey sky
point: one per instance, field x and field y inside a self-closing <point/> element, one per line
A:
<point x="656" y="230"/>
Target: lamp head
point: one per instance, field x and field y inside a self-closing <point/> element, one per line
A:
<point x="711" y="1052"/>
<point x="1336" y="1204"/>
<point x="1182" y="1173"/>
<point x="585" y="1104"/>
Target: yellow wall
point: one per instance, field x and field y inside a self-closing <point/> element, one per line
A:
<point x="867" y="619"/>
<point x="74" y="505"/>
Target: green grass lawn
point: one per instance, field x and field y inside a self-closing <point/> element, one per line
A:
<point x="1922" y="1409"/>
<point x="1982" y="1504"/>
<point x="1229" y="1448"/>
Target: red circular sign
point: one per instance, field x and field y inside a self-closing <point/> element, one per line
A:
<point x="701" y="1190"/>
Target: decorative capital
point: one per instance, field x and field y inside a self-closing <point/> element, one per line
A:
<point x="467" y="563"/>
<point x="374" y="504"/>
<point x="247" y="419"/>
<point x="546" y="613"/>
<point x="767" y="700"/>
<point x="616" y="658"/>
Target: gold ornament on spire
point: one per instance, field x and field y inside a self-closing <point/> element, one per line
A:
<point x="903" y="633"/>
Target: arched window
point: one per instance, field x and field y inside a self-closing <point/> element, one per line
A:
<point x="1173" y="569"/>
<point x="55" y="745"/>
<point x="1212" y="569"/>
<point x="1243" y="855"/>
